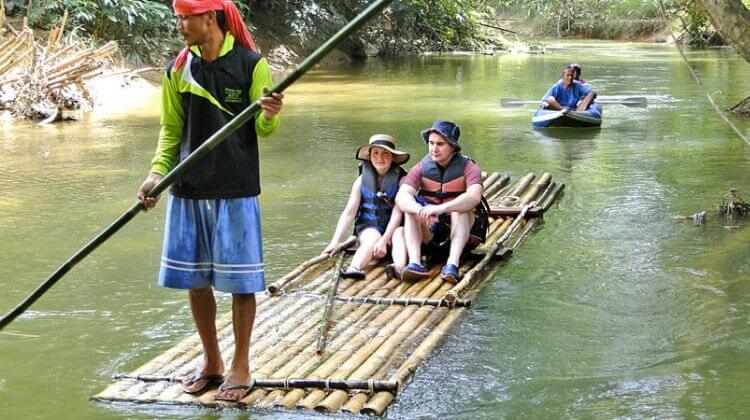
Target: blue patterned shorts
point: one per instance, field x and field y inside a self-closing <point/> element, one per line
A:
<point x="213" y="243"/>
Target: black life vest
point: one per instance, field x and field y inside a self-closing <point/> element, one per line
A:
<point x="376" y="202"/>
<point x="440" y="185"/>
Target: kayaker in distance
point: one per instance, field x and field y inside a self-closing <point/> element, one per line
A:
<point x="568" y="93"/>
<point x="372" y="203"/>
<point x="577" y="72"/>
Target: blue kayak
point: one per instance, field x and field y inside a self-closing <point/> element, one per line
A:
<point x="592" y="117"/>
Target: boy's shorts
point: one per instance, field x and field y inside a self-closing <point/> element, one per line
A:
<point x="441" y="231"/>
<point x="213" y="243"/>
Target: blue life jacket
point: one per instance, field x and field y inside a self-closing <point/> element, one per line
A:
<point x="376" y="202"/>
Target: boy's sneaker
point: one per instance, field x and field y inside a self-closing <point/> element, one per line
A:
<point x="414" y="272"/>
<point x="449" y="273"/>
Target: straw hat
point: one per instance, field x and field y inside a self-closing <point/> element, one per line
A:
<point x="386" y="142"/>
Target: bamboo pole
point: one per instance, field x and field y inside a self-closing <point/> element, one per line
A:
<point x="276" y="287"/>
<point x="513" y="197"/>
<point x="344" y="344"/>
<point x="368" y="360"/>
<point x="380" y="401"/>
<point x="304" y="363"/>
<point x="326" y="321"/>
<point x="338" y="384"/>
<point x="298" y="358"/>
<point x="493" y="188"/>
<point x="490" y="180"/>
<point x="356" y="401"/>
<point x="454" y="293"/>
<point x="368" y="341"/>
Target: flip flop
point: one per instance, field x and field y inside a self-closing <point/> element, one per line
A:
<point x="210" y="380"/>
<point x="246" y="388"/>
<point x="352" y="273"/>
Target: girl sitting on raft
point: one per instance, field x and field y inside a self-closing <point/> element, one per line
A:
<point x="372" y="203"/>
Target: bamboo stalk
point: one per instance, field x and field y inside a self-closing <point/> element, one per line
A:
<point x="514" y="195"/>
<point x="453" y="294"/>
<point x="344" y="344"/>
<point x="338" y="384"/>
<point x="490" y="180"/>
<point x="371" y="357"/>
<point x="529" y="195"/>
<point x="355" y="365"/>
<point x="501" y="182"/>
<point x="405" y="301"/>
<point x="276" y="287"/>
<point x="326" y="321"/>
<point x="63" y="22"/>
<point x="298" y="359"/>
<point x="381" y="400"/>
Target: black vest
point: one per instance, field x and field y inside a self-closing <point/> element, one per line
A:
<point x="433" y="172"/>
<point x="232" y="169"/>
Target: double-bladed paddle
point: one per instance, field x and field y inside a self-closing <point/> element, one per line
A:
<point x="636" y="101"/>
<point x="206" y="147"/>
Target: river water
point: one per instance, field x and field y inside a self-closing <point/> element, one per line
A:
<point x="611" y="309"/>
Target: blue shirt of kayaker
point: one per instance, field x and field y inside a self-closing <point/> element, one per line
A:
<point x="568" y="97"/>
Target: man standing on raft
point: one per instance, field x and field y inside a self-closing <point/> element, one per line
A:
<point x="438" y="199"/>
<point x="212" y="238"/>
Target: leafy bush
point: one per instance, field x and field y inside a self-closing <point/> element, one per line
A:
<point x="406" y="26"/>
<point x="145" y="30"/>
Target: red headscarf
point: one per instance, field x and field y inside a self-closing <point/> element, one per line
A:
<point x="234" y="22"/>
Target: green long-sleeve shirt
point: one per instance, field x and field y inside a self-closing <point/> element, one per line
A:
<point x="173" y="115"/>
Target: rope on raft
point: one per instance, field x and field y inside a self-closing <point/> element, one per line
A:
<point x="697" y="78"/>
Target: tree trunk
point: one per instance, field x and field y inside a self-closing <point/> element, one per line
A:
<point x="732" y="20"/>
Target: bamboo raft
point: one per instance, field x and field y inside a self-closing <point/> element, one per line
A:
<point x="380" y="331"/>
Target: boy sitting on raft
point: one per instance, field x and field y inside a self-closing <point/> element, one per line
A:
<point x="440" y="199"/>
<point x="372" y="203"/>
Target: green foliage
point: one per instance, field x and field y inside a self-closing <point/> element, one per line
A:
<point x="591" y="18"/>
<point x="144" y="30"/>
<point x="406" y="26"/>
